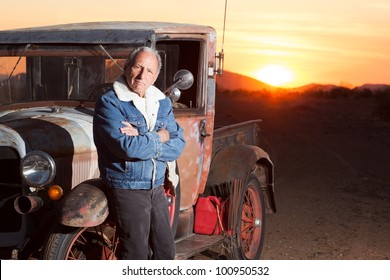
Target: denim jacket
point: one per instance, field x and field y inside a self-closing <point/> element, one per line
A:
<point x="135" y="162"/>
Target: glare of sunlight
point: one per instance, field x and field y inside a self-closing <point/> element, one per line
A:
<point x="275" y="75"/>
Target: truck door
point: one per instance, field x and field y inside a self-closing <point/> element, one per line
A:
<point x="192" y="112"/>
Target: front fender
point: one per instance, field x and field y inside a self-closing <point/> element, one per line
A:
<point x="85" y="206"/>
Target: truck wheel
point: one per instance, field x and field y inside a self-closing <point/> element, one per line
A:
<point x="250" y="225"/>
<point x="88" y="243"/>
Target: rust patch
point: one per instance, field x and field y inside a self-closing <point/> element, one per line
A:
<point x="85" y="206"/>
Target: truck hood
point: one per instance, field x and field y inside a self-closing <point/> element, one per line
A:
<point x="59" y="131"/>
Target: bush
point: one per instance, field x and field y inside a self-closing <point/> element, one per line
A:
<point x="383" y="105"/>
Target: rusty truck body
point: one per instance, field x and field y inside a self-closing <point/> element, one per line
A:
<point x="51" y="194"/>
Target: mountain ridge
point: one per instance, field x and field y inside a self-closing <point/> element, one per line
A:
<point x="234" y="81"/>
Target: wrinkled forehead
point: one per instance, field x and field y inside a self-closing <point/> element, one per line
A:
<point x="145" y="59"/>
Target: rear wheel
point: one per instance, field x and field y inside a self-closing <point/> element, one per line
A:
<point x="250" y="225"/>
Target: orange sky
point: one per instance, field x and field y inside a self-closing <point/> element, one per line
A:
<point x="324" y="41"/>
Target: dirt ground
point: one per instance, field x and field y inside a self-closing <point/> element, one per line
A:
<point x="332" y="175"/>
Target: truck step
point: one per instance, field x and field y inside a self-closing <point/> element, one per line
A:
<point x="195" y="244"/>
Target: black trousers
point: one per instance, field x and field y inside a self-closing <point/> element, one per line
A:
<point x="144" y="223"/>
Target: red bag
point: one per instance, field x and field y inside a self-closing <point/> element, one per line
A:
<point x="208" y="215"/>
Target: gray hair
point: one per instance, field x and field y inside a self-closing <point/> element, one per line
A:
<point x="130" y="59"/>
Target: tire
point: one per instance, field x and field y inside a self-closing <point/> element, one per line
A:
<point x="88" y="243"/>
<point x="250" y="225"/>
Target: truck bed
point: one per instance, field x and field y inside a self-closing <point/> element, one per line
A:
<point x="247" y="133"/>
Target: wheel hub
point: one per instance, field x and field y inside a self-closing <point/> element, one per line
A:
<point x="257" y="222"/>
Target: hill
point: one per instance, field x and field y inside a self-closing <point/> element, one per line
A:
<point x="234" y="81"/>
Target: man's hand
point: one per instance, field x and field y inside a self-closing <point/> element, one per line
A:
<point x="164" y="135"/>
<point x="128" y="129"/>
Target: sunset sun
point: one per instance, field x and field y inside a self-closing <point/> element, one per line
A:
<point x="275" y="75"/>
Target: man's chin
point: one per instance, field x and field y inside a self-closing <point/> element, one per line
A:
<point x="139" y="90"/>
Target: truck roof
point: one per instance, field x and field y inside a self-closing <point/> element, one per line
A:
<point x="98" y="32"/>
<point x="112" y="32"/>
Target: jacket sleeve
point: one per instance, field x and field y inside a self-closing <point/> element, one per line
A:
<point x="172" y="149"/>
<point x="107" y="123"/>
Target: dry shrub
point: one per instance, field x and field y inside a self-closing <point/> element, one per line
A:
<point x="383" y="104"/>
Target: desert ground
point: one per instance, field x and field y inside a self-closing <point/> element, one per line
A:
<point x="332" y="175"/>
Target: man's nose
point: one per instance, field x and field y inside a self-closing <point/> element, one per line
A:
<point x="141" y="73"/>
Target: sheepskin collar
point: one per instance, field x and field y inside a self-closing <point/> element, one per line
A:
<point x="124" y="94"/>
<point x="148" y="106"/>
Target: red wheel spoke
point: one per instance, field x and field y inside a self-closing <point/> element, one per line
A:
<point x="94" y="243"/>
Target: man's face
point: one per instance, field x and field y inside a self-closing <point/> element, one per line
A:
<point x="143" y="73"/>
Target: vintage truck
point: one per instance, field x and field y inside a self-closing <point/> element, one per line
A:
<point x="52" y="202"/>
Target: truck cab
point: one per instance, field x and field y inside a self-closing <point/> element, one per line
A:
<point x="50" y="79"/>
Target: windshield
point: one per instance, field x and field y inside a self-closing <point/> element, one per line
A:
<point x="43" y="73"/>
<point x="81" y="72"/>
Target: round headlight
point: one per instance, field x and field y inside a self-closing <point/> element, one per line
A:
<point x="37" y="169"/>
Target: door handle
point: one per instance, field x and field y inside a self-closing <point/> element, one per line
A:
<point x="203" y="131"/>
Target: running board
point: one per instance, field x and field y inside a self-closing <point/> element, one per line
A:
<point x="195" y="244"/>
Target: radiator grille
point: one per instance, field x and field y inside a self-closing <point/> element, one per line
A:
<point x="10" y="188"/>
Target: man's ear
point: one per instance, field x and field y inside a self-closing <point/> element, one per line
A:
<point x="155" y="79"/>
<point x="125" y="71"/>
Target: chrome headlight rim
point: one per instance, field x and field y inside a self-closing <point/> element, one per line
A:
<point x="37" y="169"/>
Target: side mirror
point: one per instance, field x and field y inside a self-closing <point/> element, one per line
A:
<point x="182" y="80"/>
